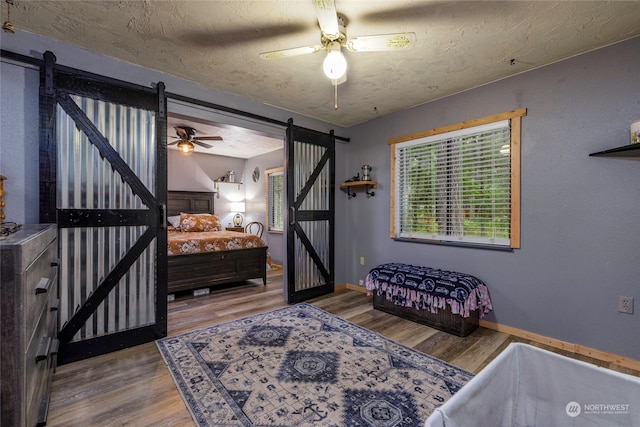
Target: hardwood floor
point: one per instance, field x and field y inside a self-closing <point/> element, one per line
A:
<point x="133" y="387"/>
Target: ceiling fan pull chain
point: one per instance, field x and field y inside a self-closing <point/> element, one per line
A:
<point x="335" y="104"/>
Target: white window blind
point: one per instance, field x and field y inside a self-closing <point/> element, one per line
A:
<point x="455" y="186"/>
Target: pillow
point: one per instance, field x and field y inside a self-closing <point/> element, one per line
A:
<point x="175" y="221"/>
<point x="199" y="222"/>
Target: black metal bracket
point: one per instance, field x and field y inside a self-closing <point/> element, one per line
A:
<point x="351" y="189"/>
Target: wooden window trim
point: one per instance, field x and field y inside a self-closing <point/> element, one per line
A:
<point x="516" y="128"/>
<point x="462" y="125"/>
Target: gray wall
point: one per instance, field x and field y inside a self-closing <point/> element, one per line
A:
<point x="19" y="141"/>
<point x="257" y="201"/>
<point x="580" y="232"/>
<point x="198" y="171"/>
<point x="580" y="214"/>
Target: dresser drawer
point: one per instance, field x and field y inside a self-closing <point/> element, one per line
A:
<point x="26" y="317"/>
<point x="39" y="361"/>
<point x="40" y="283"/>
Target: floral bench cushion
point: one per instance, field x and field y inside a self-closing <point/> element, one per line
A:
<point x="429" y="288"/>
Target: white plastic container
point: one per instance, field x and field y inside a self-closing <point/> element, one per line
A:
<point x="528" y="386"/>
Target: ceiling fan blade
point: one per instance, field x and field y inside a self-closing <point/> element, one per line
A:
<point x="382" y="42"/>
<point x="174" y="142"/>
<point x="184" y="132"/>
<point x="327" y="18"/>
<point x="207" y="38"/>
<point x="286" y="53"/>
<point x="202" y="144"/>
<point x="210" y="138"/>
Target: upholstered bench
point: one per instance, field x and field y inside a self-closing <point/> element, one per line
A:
<point x="446" y="300"/>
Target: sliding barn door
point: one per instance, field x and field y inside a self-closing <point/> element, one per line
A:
<point x="103" y="167"/>
<point x="310" y="200"/>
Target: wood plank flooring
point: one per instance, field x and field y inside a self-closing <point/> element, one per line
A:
<point x="133" y="387"/>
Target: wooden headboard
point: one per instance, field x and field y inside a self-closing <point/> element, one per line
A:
<point x="190" y="202"/>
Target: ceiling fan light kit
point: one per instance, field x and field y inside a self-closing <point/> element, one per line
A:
<point x="185" y="147"/>
<point x="333" y="36"/>
<point x="335" y="64"/>
<point x="187" y="138"/>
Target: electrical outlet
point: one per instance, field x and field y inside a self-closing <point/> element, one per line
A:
<point x="361" y="260"/>
<point x="361" y="283"/>
<point x="625" y="305"/>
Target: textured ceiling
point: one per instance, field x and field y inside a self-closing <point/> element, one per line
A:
<point x="236" y="141"/>
<point x="460" y="45"/>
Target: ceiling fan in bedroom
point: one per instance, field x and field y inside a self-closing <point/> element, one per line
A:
<point x="187" y="137"/>
<point x="333" y="37"/>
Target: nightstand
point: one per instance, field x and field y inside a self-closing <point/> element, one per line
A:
<point x="240" y="229"/>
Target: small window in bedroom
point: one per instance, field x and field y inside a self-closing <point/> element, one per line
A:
<point x="275" y="199"/>
<point x="459" y="184"/>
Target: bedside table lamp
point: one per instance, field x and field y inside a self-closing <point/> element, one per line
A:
<point x="238" y="208"/>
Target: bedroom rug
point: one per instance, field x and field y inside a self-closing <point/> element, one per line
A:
<point x="302" y="366"/>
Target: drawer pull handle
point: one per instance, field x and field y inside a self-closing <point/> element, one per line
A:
<point x="43" y="411"/>
<point x="43" y="286"/>
<point x="55" y="345"/>
<point x="55" y="262"/>
<point x="55" y="304"/>
<point x="43" y="349"/>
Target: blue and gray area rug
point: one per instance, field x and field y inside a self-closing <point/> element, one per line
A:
<point x="302" y="366"/>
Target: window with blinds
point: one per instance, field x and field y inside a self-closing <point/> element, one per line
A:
<point x="457" y="186"/>
<point x="275" y="199"/>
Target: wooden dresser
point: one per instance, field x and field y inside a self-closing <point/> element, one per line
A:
<point x="28" y="312"/>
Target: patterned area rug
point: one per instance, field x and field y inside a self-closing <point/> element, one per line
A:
<point x="303" y="366"/>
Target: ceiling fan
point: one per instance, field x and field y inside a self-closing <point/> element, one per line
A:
<point x="333" y="37"/>
<point x="187" y="137"/>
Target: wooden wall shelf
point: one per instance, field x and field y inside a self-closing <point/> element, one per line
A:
<point x="353" y="186"/>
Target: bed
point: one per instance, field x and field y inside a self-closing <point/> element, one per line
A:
<point x="189" y="270"/>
